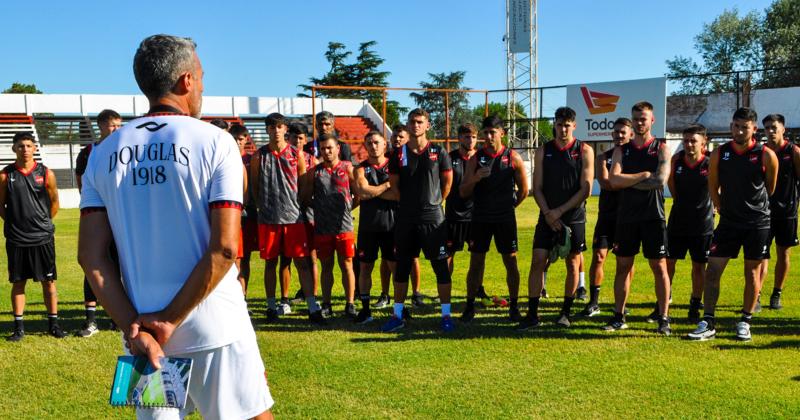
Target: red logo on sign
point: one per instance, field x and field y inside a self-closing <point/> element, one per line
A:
<point x="598" y="102"/>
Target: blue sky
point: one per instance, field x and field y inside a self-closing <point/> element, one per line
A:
<point x="267" y="48"/>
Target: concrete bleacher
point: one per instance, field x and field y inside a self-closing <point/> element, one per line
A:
<point x="11" y="124"/>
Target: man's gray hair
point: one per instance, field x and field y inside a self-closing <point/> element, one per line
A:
<point x="325" y="115"/>
<point x="159" y="62"/>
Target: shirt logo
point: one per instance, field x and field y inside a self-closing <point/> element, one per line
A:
<point x="504" y="160"/>
<point x="574" y="154"/>
<point x="679" y="170"/>
<point x="39" y="179"/>
<point x="704" y="172"/>
<point x="786" y="157"/>
<point x="652" y="152"/>
<point x="151" y="126"/>
<point x="753" y="158"/>
<point x="726" y="156"/>
<point x="432" y="155"/>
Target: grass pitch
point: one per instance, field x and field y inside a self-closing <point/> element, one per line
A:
<point x="484" y="369"/>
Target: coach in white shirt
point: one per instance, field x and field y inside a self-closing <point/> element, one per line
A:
<point x="168" y="187"/>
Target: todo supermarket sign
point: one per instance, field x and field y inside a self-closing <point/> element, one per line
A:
<point x="597" y="105"/>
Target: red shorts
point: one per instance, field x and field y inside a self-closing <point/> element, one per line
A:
<point x="310" y="235"/>
<point x="250" y="235"/>
<point x="343" y="243"/>
<point x="287" y="240"/>
<point x="240" y="254"/>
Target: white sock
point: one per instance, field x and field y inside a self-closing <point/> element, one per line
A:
<point x="445" y="309"/>
<point x="582" y="280"/>
<point x="544" y="282"/>
<point x="398" y="310"/>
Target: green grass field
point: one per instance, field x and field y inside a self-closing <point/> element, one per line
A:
<point x="485" y="369"/>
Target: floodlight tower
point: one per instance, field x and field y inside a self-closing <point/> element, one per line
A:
<point x="522" y="73"/>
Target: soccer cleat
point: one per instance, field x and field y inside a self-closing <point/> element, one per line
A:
<point x="89" y="329"/>
<point x="57" y="332"/>
<point x="544" y="294"/>
<point x="272" y="316"/>
<point x="775" y="301"/>
<point x="327" y="310"/>
<point x="482" y="293"/>
<point x="654" y="316"/>
<point x="590" y="310"/>
<point x="514" y="315"/>
<point x="469" y="314"/>
<point x="406" y="314"/>
<point x="350" y="310"/>
<point x="743" y="331"/>
<point x="317" y="318"/>
<point x="580" y="294"/>
<point x="417" y="300"/>
<point x="394" y="324"/>
<point x="447" y="324"/>
<point x="663" y="326"/>
<point x="615" y="324"/>
<point x="284" y="308"/>
<point x="364" y="316"/>
<point x="530" y="322"/>
<point x="382" y="302"/>
<point x="704" y="331"/>
<point x="298" y="298"/>
<point x="563" y="321"/>
<point x="17" y="335"/>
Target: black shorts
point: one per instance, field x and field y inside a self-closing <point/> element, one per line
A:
<point x="727" y="241"/>
<point x="697" y="245"/>
<point x="431" y="238"/>
<point x="544" y="237"/>
<point x="504" y="233"/>
<point x="651" y="235"/>
<point x="457" y="234"/>
<point x="784" y="231"/>
<point x="604" y="232"/>
<point x="370" y="242"/>
<point x="31" y="262"/>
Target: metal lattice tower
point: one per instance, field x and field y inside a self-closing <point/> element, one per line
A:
<point x="522" y="73"/>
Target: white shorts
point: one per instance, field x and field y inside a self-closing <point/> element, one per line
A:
<point x="227" y="383"/>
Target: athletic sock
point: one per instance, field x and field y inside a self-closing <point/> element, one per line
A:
<point x="544" y="282"/>
<point x="90" y="313"/>
<point x="284" y="300"/>
<point x="52" y="320"/>
<point x="445" y="309"/>
<point x="594" y="294"/>
<point x="709" y="318"/>
<point x="271" y="303"/>
<point x="567" y="307"/>
<point x="398" y="310"/>
<point x="581" y="280"/>
<point x="18" y="323"/>
<point x="313" y="306"/>
<point x="513" y="302"/>
<point x="470" y="301"/>
<point x="776" y="291"/>
<point x="533" y="306"/>
<point x="364" y="301"/>
<point x="747" y="317"/>
<point x="695" y="301"/>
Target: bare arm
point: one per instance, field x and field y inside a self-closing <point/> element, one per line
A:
<point x="601" y="172"/>
<point x="671" y="180"/>
<point x="52" y="191"/>
<point x="617" y="179"/>
<point x="519" y="178"/>
<point x="713" y="179"/>
<point x="3" y="193"/>
<point x="353" y="186"/>
<point x="658" y="179"/>
<point x="446" y="178"/>
<point x="79" y="182"/>
<point x="366" y="191"/>
<point x="770" y="162"/>
<point x="393" y="193"/>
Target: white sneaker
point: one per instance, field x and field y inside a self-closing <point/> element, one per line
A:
<point x="284" y="309"/>
<point x="743" y="331"/>
<point x="703" y="332"/>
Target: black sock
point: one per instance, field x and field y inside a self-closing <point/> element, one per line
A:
<point x="594" y="294"/>
<point x="619" y="316"/>
<point x="776" y="291"/>
<point x="533" y="306"/>
<point x="747" y="317"/>
<point x="695" y="301"/>
<point x="52" y="320"/>
<point x="709" y="318"/>
<point x="364" y="301"/>
<point x="513" y="302"/>
<point x="284" y="300"/>
<point x="567" y="307"/>
<point x="470" y="301"/>
<point x="90" y="313"/>
<point x="18" y="323"/>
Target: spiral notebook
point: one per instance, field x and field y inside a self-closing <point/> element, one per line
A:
<point x="137" y="383"/>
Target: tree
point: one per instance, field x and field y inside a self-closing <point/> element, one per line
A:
<point x="17" y="87"/>
<point x="523" y="124"/>
<point x="434" y="102"/>
<point x="779" y="43"/>
<point x="363" y="72"/>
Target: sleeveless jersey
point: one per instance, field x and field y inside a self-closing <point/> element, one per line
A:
<point x="494" y="196"/>
<point x="692" y="212"/>
<point x="783" y="202"/>
<point x="377" y="214"/>
<point x="609" y="200"/>
<point x="250" y="210"/>
<point x="332" y="200"/>
<point x="636" y="205"/>
<point x="744" y="202"/>
<point x="279" y="202"/>
<point x="561" y="178"/>
<point x="28" y="221"/>
<point x="308" y="211"/>
<point x="420" y="182"/>
<point x="458" y="209"/>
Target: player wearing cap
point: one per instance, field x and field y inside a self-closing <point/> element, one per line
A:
<point x="782" y="204"/>
<point x="420" y="178"/>
<point x="495" y="181"/>
<point x="691" y="220"/>
<point x="28" y="203"/>
<point x="562" y="180"/>
<point x="171" y="185"/>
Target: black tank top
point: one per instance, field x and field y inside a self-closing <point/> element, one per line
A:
<point x="744" y="202"/>
<point x="637" y="205"/>
<point x="561" y="178"/>
<point x="783" y="202"/>
<point x="28" y="221"/>
<point x="377" y="214"/>
<point x="494" y="196"/>
<point x="458" y="209"/>
<point x="692" y="213"/>
<point x="609" y="200"/>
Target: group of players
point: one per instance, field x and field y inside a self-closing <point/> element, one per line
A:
<point x="300" y="196"/>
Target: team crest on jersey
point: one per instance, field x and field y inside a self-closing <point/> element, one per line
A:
<point x="39" y="179"/>
<point x="652" y="152"/>
<point x="574" y="154"/>
<point x="679" y="170"/>
<point x="367" y="170"/>
<point x="432" y="155"/>
<point x="753" y="158"/>
<point x="726" y="156"/>
<point x="704" y="171"/>
<point x="787" y="157"/>
<point x="340" y="173"/>
<point x="504" y="160"/>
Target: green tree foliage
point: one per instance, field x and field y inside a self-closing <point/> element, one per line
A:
<point x="17" y="87"/>
<point x="434" y="102"/>
<point x="779" y="42"/>
<point x="364" y="71"/>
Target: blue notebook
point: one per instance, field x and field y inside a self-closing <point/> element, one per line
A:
<point x="137" y="383"/>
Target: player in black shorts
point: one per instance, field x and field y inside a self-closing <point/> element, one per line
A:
<point x="606" y="224"/>
<point x="691" y="220"/>
<point x="420" y="178"/>
<point x="377" y="218"/>
<point x="108" y="121"/>
<point x="741" y="177"/>
<point x="640" y="169"/>
<point x="782" y="204"/>
<point x="458" y="210"/>
<point x="495" y="180"/>
<point x="562" y="180"/>
<point x="28" y="203"/>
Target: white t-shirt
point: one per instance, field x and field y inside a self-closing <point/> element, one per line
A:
<point x="157" y="178"/>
